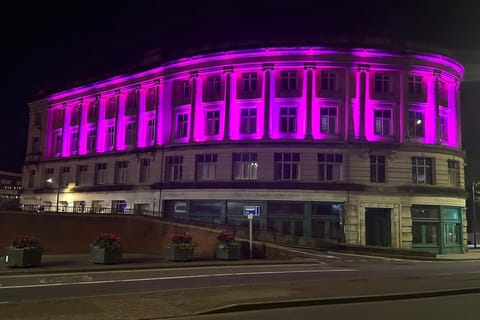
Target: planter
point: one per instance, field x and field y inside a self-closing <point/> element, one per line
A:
<point x="24" y="257"/>
<point x="105" y="256"/>
<point x="176" y="253"/>
<point x="223" y="252"/>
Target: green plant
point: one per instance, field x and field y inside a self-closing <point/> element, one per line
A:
<point x="108" y="241"/>
<point x="25" y="242"/>
<point x="182" y="240"/>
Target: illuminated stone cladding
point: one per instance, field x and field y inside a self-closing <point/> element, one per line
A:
<point x="228" y="125"/>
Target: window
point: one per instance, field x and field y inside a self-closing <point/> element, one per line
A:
<point x="213" y="123"/>
<point x="425" y="225"/>
<point x="35" y="145"/>
<point x="213" y="86"/>
<point x="454" y="173"/>
<point x="245" y="166"/>
<point x="443" y="128"/>
<point x="415" y="124"/>
<point x="383" y="120"/>
<point x="64" y="176"/>
<point x="73" y="142"/>
<point x="110" y="138"/>
<point x="37" y="121"/>
<point x="377" y="168"/>
<point x="111" y="108"/>
<point x="144" y="170"/>
<point x="328" y="120"/>
<point x="287" y="166"/>
<point x="130" y="134"/>
<point x="91" y="140"/>
<point x="174" y="168"/>
<point x="31" y="178"/>
<point x="329" y="166"/>
<point x="152" y="99"/>
<point x="288" y="119"/>
<point x="58" y="118"/>
<point x="415" y="85"/>
<point x="58" y="143"/>
<point x="422" y="170"/>
<point x="132" y="103"/>
<point x="249" y="81"/>
<point x="81" y="176"/>
<point x="382" y="83"/>
<point x="185" y="89"/>
<point x="75" y="116"/>
<point x="327" y="80"/>
<point x="181" y="131"/>
<point x="151" y="132"/>
<point x="121" y="172"/>
<point x="206" y="165"/>
<point x="100" y="173"/>
<point x="289" y="80"/>
<point x="442" y="92"/>
<point x="92" y="112"/>
<point x="248" y="120"/>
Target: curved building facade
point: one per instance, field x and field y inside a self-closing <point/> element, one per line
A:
<point x="357" y="145"/>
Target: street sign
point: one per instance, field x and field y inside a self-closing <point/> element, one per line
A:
<point x="251" y="210"/>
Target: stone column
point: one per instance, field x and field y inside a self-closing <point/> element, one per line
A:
<point x="349" y="132"/>
<point x="193" y="77"/>
<point x="458" y="114"/>
<point x="401" y="114"/>
<point x="65" y="130"/>
<point x="158" y="118"/>
<point x="351" y="223"/>
<point x="267" y="68"/>
<point x="309" y="68"/>
<point x="100" y="105"/>
<point x="363" y="69"/>
<point x="437" y="74"/>
<point x="117" y="120"/>
<point x="141" y="122"/>
<point x="228" y="98"/>
<point x="82" y="126"/>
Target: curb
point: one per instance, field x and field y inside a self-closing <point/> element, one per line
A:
<point x="335" y="300"/>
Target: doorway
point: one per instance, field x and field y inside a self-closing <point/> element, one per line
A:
<point x="378" y="227"/>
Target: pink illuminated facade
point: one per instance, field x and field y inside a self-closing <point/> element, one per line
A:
<point x="357" y="145"/>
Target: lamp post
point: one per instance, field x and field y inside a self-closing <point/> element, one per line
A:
<point x="474" y="215"/>
<point x="50" y="180"/>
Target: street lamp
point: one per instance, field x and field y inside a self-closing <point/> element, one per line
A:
<point x="50" y="180"/>
<point x="474" y="197"/>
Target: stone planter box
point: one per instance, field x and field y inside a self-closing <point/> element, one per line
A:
<point x="175" y="253"/>
<point x="24" y="257"/>
<point x="104" y="256"/>
<point x="227" y="253"/>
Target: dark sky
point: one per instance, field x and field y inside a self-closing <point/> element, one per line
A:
<point x="50" y="45"/>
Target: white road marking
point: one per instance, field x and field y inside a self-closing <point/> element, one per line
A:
<point x="313" y="254"/>
<point x="174" y="278"/>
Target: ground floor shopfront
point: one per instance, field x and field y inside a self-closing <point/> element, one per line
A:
<point x="435" y="224"/>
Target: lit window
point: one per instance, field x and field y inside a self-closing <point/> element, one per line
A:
<point x="422" y="170"/>
<point x="328" y="120"/>
<point x="245" y="166"/>
<point x="383" y="122"/>
<point x="130" y="134"/>
<point x="110" y="138"/>
<point x="416" y="124"/>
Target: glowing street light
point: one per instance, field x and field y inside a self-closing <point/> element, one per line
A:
<point x="50" y="180"/>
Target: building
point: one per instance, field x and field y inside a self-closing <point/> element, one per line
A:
<point x="10" y="187"/>
<point x="358" y="145"/>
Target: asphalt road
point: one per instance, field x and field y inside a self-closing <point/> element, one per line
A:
<point x="323" y="267"/>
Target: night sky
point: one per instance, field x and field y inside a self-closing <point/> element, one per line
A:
<point x="50" y="46"/>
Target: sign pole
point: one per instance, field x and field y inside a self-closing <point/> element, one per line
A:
<point x="474" y="196"/>
<point x="250" y="225"/>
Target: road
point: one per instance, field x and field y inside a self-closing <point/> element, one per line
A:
<point x="186" y="291"/>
